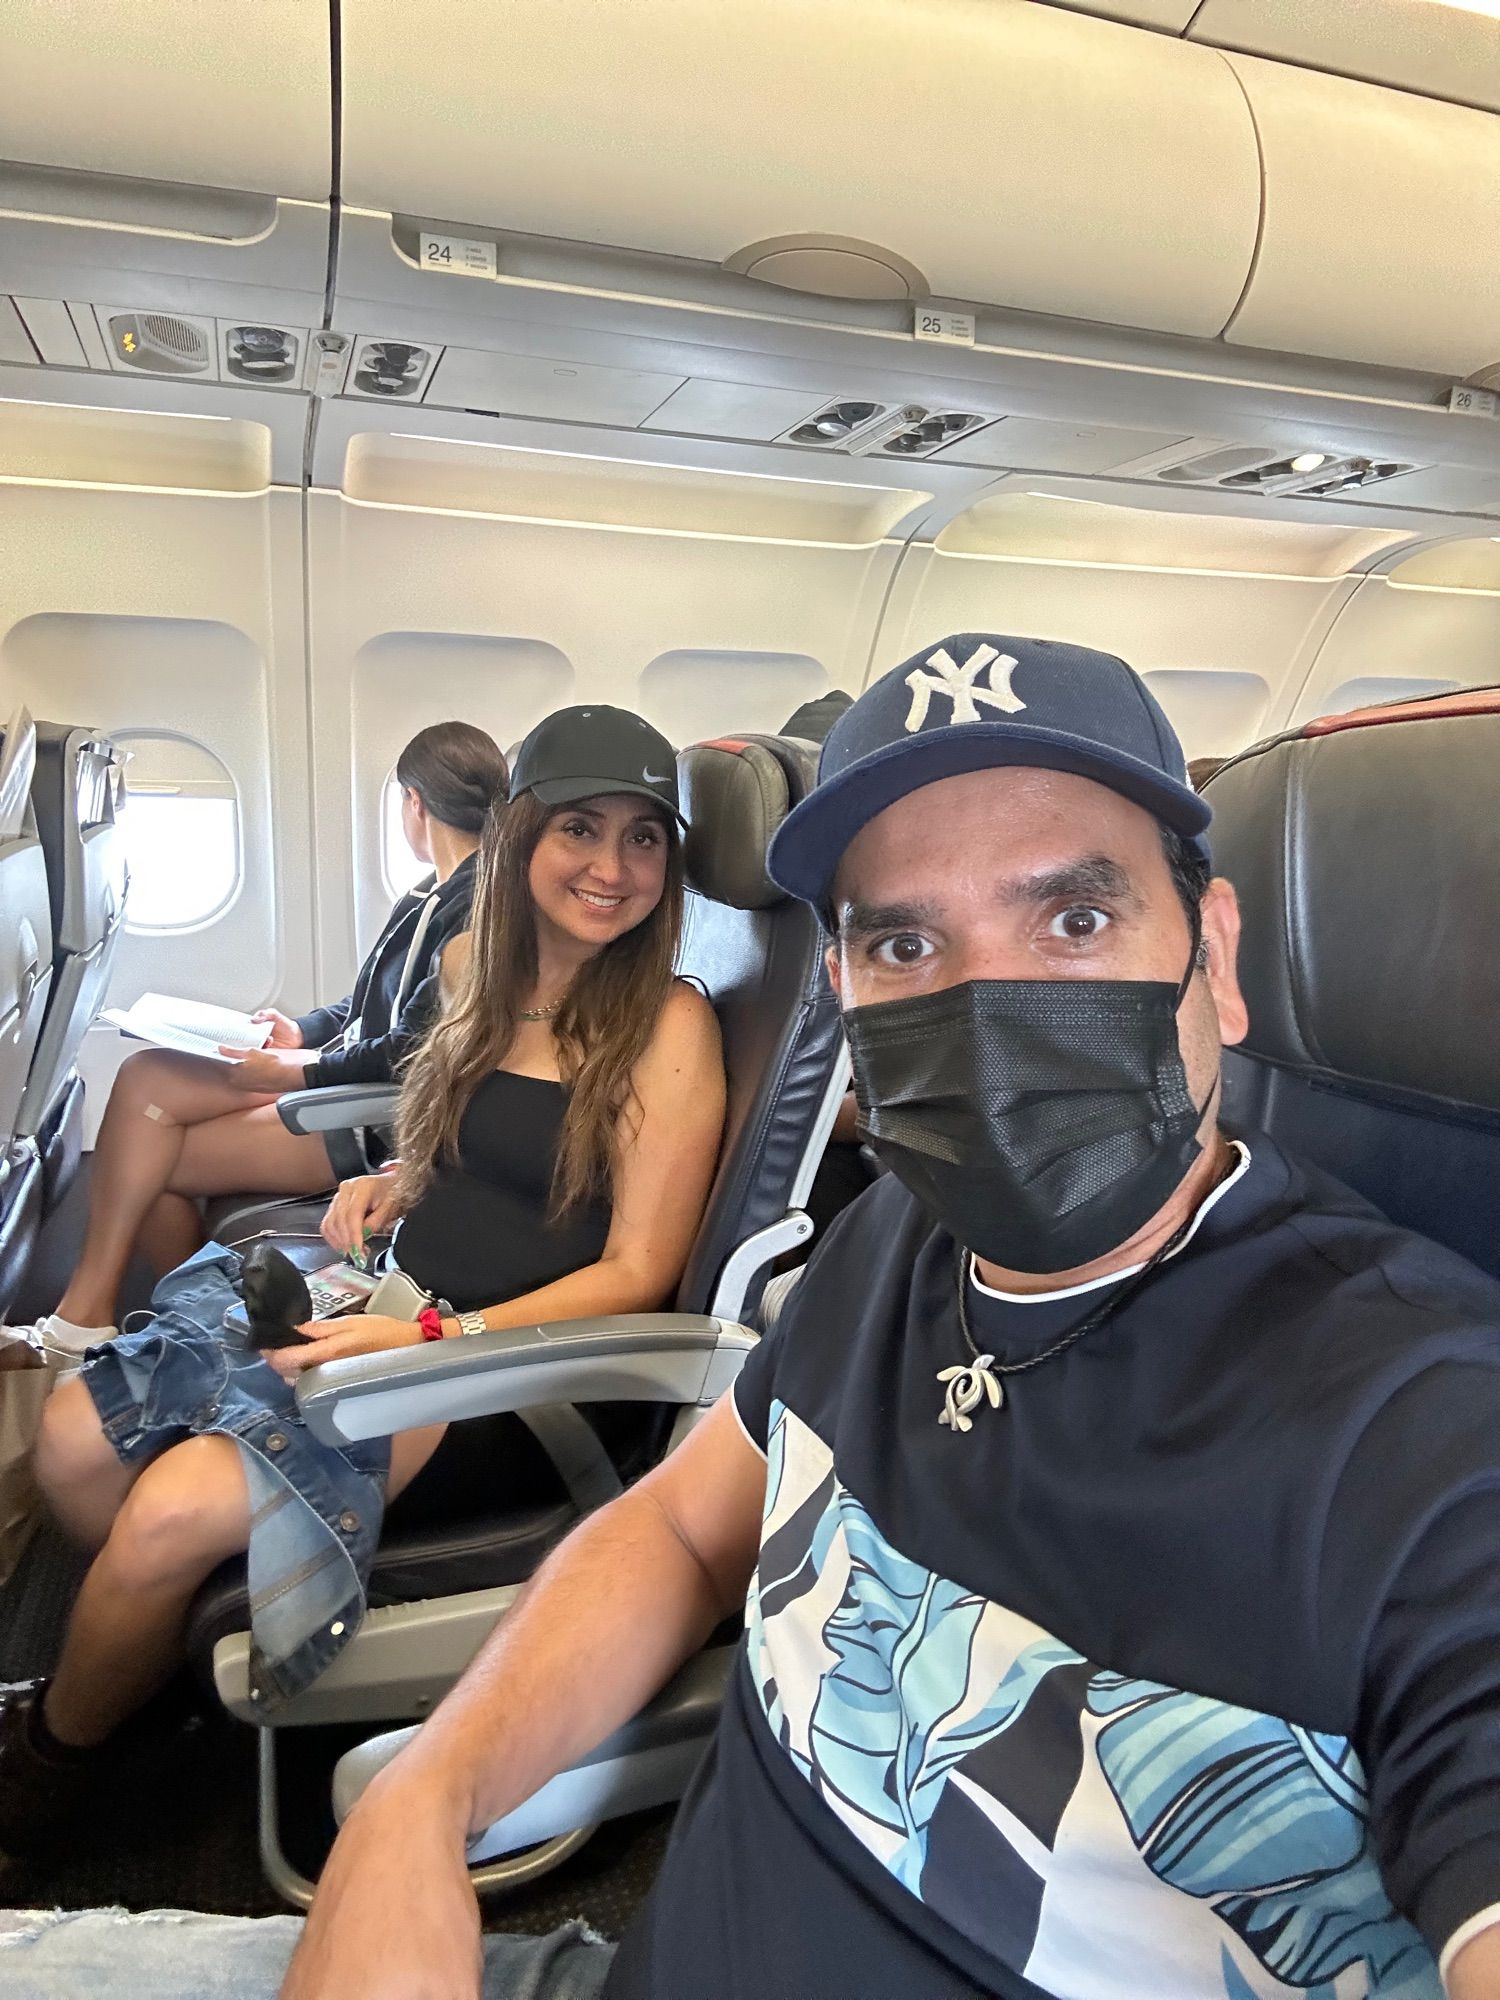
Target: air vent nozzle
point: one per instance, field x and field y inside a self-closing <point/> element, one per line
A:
<point x="834" y="426"/>
<point x="932" y="432"/>
<point x="391" y="368"/>
<point x="265" y="354"/>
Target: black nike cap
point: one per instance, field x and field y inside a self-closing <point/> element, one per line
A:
<point x="584" y="753"/>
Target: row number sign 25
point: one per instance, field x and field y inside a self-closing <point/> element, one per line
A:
<point x="951" y="329"/>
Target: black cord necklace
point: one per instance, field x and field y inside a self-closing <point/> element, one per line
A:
<point x="967" y="1386"/>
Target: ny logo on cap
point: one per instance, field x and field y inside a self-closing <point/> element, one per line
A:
<point x="962" y="686"/>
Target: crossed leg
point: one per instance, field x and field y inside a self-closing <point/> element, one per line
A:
<point x="176" y="1127"/>
<point x="158" y="1531"/>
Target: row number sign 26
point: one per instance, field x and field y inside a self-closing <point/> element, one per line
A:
<point x="460" y="256"/>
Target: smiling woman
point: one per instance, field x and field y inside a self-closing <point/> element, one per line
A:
<point x="558" y="1131"/>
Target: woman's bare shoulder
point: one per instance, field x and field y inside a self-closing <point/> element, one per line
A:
<point x="687" y="1030"/>
<point x="454" y="962"/>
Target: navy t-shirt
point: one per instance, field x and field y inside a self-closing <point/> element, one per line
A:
<point x="1178" y="1676"/>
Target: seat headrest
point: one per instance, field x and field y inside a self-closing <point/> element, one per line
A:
<point x="735" y="792"/>
<point x="1366" y="852"/>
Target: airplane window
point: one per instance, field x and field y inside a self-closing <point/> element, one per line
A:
<point x="181" y="831"/>
<point x="691" y="693"/>
<point x="400" y="867"/>
<point x="1369" y="690"/>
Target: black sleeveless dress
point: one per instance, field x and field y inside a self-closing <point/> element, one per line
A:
<point x="480" y="1235"/>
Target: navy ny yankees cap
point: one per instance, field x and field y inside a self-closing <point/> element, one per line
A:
<point x="582" y="753"/>
<point x="971" y="703"/>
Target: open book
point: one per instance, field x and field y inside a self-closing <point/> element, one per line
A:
<point x="190" y="1025"/>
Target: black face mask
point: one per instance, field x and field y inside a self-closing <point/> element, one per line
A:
<point x="1042" y="1121"/>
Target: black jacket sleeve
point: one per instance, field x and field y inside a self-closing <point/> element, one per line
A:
<point x="324" y="1023"/>
<point x="379" y="1060"/>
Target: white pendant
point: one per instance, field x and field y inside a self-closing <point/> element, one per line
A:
<point x="966" y="1390"/>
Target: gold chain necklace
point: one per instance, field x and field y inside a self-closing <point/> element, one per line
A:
<point x="541" y="1013"/>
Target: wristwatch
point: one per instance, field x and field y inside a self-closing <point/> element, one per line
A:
<point x="472" y="1323"/>
<point x="431" y="1322"/>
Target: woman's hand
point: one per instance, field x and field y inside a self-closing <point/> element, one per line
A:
<point x="363" y="1207"/>
<point x="285" y="1034"/>
<point x="337" y="1339"/>
<point x="267" y="1071"/>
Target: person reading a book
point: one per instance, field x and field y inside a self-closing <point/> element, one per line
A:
<point x="558" y="1132"/>
<point x="179" y="1126"/>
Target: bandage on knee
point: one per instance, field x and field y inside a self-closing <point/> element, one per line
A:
<point x="160" y="1117"/>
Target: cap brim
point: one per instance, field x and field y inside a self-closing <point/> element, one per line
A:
<point x="807" y="848"/>
<point x="570" y="791"/>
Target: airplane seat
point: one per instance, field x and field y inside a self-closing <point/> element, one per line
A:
<point x="78" y="792"/>
<point x="25" y="983"/>
<point x="451" y="1561"/>
<point x="1366" y="852"/>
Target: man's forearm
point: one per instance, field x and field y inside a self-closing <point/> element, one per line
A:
<point x="601" y="1627"/>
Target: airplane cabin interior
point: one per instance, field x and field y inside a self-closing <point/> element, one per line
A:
<point x="366" y="365"/>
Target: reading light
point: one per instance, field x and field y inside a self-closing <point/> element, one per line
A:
<point x="1309" y="461"/>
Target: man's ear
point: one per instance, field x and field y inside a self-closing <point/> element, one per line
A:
<point x="835" y="967"/>
<point x="1221" y="942"/>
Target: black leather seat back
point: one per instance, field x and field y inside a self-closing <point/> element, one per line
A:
<point x="758" y="954"/>
<point x="1366" y="852"/>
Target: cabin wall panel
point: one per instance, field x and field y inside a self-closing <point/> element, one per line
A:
<point x="148" y="611"/>
<point x="1397" y="634"/>
<point x="1162" y="622"/>
<point x="459" y="591"/>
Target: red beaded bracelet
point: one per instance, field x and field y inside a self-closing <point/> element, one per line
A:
<point x="431" y="1322"/>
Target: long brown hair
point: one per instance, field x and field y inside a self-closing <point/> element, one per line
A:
<point x="602" y="1029"/>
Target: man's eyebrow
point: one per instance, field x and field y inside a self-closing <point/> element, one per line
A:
<point x="863" y="920"/>
<point x="1092" y="875"/>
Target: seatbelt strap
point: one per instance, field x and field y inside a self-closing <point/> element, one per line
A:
<point x="424" y="918"/>
<point x="581" y="1462"/>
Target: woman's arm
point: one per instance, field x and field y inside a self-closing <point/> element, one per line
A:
<point x="669" y="1147"/>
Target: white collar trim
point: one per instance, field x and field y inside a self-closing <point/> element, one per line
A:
<point x="1111" y="1277"/>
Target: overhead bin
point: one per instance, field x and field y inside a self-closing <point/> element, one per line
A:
<point x="1382" y="216"/>
<point x="145" y="148"/>
<point x="1450" y="52"/>
<point x="1003" y="153"/>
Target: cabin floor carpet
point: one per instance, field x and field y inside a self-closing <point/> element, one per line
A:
<point x="188" y="1840"/>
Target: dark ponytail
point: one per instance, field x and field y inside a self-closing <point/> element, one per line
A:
<point x="457" y="772"/>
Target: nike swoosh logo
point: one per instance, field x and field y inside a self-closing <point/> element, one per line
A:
<point x="654" y="777"/>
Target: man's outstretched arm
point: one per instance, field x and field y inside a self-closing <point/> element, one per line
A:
<point x="632" y="1593"/>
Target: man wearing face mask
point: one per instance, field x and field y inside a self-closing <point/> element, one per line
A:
<point x="1118" y="1501"/>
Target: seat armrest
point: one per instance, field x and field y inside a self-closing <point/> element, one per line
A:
<point x="338" y="1107"/>
<point x="685" y="1358"/>
<point x="647" y="1762"/>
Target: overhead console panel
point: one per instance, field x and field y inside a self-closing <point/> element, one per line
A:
<point x="1007" y="154"/>
<point x="177" y="155"/>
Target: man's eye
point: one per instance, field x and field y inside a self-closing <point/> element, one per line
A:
<point x="1079" y="924"/>
<point x="906" y="948"/>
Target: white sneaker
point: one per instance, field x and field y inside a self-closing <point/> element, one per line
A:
<point x="58" y="1338"/>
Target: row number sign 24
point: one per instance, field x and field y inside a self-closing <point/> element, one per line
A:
<point x="459" y="256"/>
